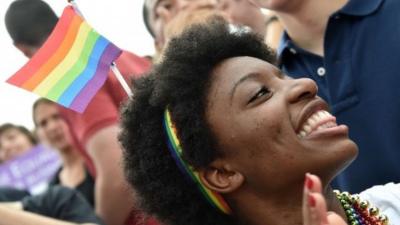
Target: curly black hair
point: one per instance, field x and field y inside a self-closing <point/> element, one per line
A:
<point x="181" y="82"/>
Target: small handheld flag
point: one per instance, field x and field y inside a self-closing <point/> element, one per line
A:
<point x="71" y="66"/>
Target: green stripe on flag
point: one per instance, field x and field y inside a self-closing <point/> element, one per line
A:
<point x="67" y="79"/>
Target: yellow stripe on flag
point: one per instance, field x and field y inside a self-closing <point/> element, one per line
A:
<point x="71" y="58"/>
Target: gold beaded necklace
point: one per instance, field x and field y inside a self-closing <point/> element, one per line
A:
<point x="359" y="212"/>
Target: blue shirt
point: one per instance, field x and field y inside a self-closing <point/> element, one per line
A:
<point x="359" y="76"/>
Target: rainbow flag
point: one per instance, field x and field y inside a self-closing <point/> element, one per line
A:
<point x="72" y="64"/>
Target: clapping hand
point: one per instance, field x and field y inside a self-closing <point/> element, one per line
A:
<point x="314" y="205"/>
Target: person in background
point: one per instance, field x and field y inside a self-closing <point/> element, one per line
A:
<point x="56" y="206"/>
<point x="185" y="19"/>
<point x="350" y="49"/>
<point x="29" y="31"/>
<point x="96" y="129"/>
<point x="14" y="141"/>
<point x="243" y="13"/>
<point x="158" y="15"/>
<point x="274" y="30"/>
<point x="52" y="129"/>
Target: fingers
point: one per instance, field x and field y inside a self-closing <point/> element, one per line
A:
<point x="314" y="204"/>
<point x="317" y="209"/>
<point x="335" y="219"/>
<point x="314" y="183"/>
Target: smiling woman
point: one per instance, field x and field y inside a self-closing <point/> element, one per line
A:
<point x="14" y="141"/>
<point x="216" y="134"/>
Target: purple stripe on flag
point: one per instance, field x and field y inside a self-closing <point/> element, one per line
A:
<point x="86" y="94"/>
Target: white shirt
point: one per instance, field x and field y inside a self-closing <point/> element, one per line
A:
<point x="386" y="198"/>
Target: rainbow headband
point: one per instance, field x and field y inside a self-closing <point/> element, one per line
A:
<point x="175" y="148"/>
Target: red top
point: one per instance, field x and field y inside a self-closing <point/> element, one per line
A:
<point x="102" y="112"/>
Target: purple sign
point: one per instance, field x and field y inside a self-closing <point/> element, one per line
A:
<point x="30" y="171"/>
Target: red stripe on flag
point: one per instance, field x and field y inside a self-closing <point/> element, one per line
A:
<point x="57" y="57"/>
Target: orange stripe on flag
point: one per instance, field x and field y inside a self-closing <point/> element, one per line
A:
<point x="57" y="57"/>
<point x="69" y="62"/>
<point x="52" y="43"/>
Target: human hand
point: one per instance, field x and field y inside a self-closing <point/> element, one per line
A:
<point x="314" y="204"/>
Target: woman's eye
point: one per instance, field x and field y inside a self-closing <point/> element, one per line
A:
<point x="166" y="6"/>
<point x="263" y="91"/>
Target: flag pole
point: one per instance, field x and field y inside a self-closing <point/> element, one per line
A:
<point x="114" y="68"/>
<point x="75" y="6"/>
<point x="121" y="79"/>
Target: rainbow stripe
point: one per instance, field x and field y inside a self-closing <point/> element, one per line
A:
<point x="174" y="146"/>
<point x="72" y="64"/>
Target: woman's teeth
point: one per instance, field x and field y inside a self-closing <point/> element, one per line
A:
<point x="317" y="121"/>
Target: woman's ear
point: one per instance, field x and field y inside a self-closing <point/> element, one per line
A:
<point x="219" y="176"/>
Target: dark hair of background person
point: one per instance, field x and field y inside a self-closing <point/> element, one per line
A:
<point x="180" y="82"/>
<point x="8" y="126"/>
<point x="146" y="19"/>
<point x="30" y="21"/>
<point x="36" y="104"/>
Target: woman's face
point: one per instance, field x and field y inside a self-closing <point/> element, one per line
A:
<point x="51" y="127"/>
<point x="13" y="143"/>
<point x="274" y="129"/>
<point x="162" y="12"/>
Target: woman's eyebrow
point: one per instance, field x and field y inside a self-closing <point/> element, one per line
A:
<point x="250" y="76"/>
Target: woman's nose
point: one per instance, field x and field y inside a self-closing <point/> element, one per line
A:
<point x="52" y="126"/>
<point x="301" y="89"/>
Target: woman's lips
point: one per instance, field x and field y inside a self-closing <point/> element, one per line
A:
<point x="317" y="121"/>
<point x="328" y="132"/>
<point x="321" y="123"/>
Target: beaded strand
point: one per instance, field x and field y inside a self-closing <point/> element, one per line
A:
<point x="359" y="212"/>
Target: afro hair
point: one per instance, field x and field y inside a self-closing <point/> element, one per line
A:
<point x="180" y="82"/>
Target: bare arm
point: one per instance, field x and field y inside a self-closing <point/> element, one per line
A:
<point x="12" y="205"/>
<point x="112" y="196"/>
<point x="12" y="216"/>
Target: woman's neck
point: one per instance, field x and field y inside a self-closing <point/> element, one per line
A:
<point x="73" y="168"/>
<point x="306" y="24"/>
<point x="280" y="208"/>
<point x="70" y="157"/>
<point x="333" y="202"/>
